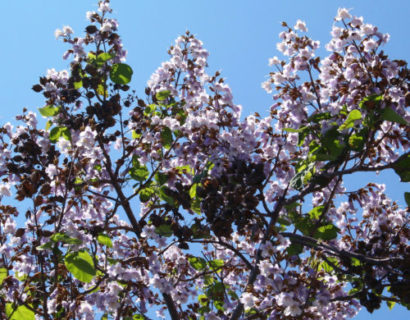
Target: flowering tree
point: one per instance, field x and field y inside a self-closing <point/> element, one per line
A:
<point x="237" y="219"/>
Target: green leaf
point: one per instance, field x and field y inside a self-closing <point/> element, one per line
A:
<point x="135" y="135"/>
<point x="356" y="142"/>
<point x="81" y="265"/>
<point x="316" y="212"/>
<point x="91" y="57"/>
<point x="161" y="178"/>
<point x="402" y="167"/>
<point x="58" y="132"/>
<point x="294" y="249"/>
<point x="137" y="317"/>
<point x="370" y="101"/>
<point x="327" y="232"/>
<point x="46" y="246"/>
<point x="216" y="264"/>
<point x="166" y="138"/>
<point x="197" y="263"/>
<point x="192" y="190"/>
<point x="164" y="196"/>
<point x="121" y="73"/>
<point x="61" y="237"/>
<point x="219" y="305"/>
<point x="407" y="198"/>
<point x="319" y="117"/>
<point x="103" y="58"/>
<point x="49" y="124"/>
<point x="164" y="230"/>
<point x="104" y="240"/>
<point x="353" y="116"/>
<point x="138" y="172"/>
<point x="390" y="115"/>
<point x="3" y="274"/>
<point x="19" y="313"/>
<point x="163" y="95"/>
<point x="302" y="178"/>
<point x="78" y="84"/>
<point x="203" y="300"/>
<point x="391" y="304"/>
<point x="49" y="111"/>
<point x="146" y="194"/>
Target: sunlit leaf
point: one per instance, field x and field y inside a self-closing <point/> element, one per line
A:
<point x="81" y="265"/>
<point x="121" y="73"/>
<point x="49" y="111"/>
<point x="104" y="240"/>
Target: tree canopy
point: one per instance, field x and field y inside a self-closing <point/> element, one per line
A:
<point x="174" y="205"/>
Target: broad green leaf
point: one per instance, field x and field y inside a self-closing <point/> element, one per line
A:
<point x="294" y="249"/>
<point x="58" y="132"/>
<point x="49" y="111"/>
<point x="46" y="246"/>
<point x="219" y="305"/>
<point x="402" y="167"/>
<point x="138" y="172"/>
<point x="135" y="135"/>
<point x="65" y="133"/>
<point x="216" y="264"/>
<point x="370" y="101"/>
<point x="163" y="95"/>
<point x="353" y="116"/>
<point x="203" y="300"/>
<point x="390" y="115"/>
<point x="146" y="194"/>
<point x="327" y="232"/>
<point x="81" y="265"/>
<point x="197" y="263"/>
<point x="104" y="240"/>
<point x="91" y="57"/>
<point x="3" y="274"/>
<point x="302" y="178"/>
<point x="150" y="109"/>
<point x="161" y="178"/>
<point x="166" y="138"/>
<point x="103" y="58"/>
<point x="19" y="313"/>
<point x="164" y="196"/>
<point x="121" y="73"/>
<point x="216" y="290"/>
<point x="192" y="190"/>
<point x="356" y="142"/>
<point x="407" y="198"/>
<point x="316" y="212"/>
<point x="61" y="237"/>
<point x="356" y="262"/>
<point x="325" y="266"/>
<point x="78" y="84"/>
<point x="137" y="317"/>
<point x="164" y="230"/>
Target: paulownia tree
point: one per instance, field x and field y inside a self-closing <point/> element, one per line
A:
<point x="171" y="203"/>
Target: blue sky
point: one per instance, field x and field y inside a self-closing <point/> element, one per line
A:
<point x="240" y="35"/>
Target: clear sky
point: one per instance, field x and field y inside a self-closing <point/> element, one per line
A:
<point x="240" y="34"/>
